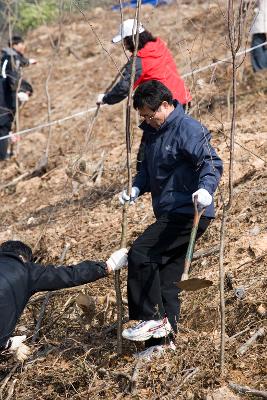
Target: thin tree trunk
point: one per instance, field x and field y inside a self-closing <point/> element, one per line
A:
<point x="128" y="149"/>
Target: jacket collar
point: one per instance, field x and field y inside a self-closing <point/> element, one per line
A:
<point x="10" y="52"/>
<point x="176" y="115"/>
<point x="12" y="255"/>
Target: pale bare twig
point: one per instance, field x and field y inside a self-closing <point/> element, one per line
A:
<point x="242" y="349"/>
<point x="235" y="39"/>
<point x="11" y="390"/>
<point x="248" y="390"/>
<point x="134" y="378"/>
<point x="123" y="242"/>
<point x="187" y="377"/>
<point x="7" y="378"/>
<point x="56" y="49"/>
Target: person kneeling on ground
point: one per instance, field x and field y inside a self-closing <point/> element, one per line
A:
<point x="20" y="278"/>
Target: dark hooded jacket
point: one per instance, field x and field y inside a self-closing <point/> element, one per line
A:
<point x="11" y="63"/>
<point x="19" y="281"/>
<point x="179" y="160"/>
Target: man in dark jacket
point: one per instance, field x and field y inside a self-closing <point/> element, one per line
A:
<point x="179" y="164"/>
<point x="20" y="278"/>
<point x="12" y="60"/>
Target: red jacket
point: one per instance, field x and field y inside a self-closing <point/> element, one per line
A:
<point x="158" y="64"/>
<point x="154" y="61"/>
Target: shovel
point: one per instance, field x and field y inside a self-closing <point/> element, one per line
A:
<point x="192" y="283"/>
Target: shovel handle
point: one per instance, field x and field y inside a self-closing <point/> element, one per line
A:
<point x="191" y="245"/>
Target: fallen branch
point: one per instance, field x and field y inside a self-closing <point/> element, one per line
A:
<point x="134" y="378"/>
<point x="247" y="390"/>
<point x="242" y="349"/>
<point x="16" y="180"/>
<point x="205" y="253"/>
<point x="6" y="379"/>
<point x="11" y="390"/>
<point x="40" y="319"/>
<point x="187" y="378"/>
<point x="237" y="334"/>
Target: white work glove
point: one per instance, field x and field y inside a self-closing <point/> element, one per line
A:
<point x="118" y="259"/>
<point x="22" y="96"/>
<point x="123" y="197"/>
<point x="32" y="61"/>
<point x="20" y="350"/>
<point x="13" y="137"/>
<point x="204" y="199"/>
<point x="99" y="99"/>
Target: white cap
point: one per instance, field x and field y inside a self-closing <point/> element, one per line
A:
<point x="127" y="28"/>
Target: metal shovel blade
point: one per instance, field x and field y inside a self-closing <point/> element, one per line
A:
<point x="193" y="284"/>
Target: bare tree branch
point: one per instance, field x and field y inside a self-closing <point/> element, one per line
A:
<point x="128" y="148"/>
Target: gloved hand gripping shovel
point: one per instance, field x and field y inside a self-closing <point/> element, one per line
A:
<point x="193" y="283"/>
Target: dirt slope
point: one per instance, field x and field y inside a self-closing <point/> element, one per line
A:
<point x="76" y="358"/>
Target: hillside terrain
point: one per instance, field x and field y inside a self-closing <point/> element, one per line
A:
<point x="75" y="202"/>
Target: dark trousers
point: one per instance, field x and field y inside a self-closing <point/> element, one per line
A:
<point x="4" y="130"/>
<point x="259" y="56"/>
<point x="155" y="265"/>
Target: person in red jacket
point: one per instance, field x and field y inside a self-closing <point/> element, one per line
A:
<point x="154" y="62"/>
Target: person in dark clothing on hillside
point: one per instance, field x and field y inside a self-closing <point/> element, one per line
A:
<point x="12" y="60"/>
<point x="179" y="164"/>
<point x="20" y="278"/>
<point x="154" y="62"/>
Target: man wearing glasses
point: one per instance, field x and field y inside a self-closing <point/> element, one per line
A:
<point x="179" y="164"/>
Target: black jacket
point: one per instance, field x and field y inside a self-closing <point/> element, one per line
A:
<point x="19" y="281"/>
<point x="11" y="63"/>
<point x="121" y="90"/>
<point x="179" y="160"/>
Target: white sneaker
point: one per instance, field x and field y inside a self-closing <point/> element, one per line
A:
<point x="148" y="329"/>
<point x="154" y="351"/>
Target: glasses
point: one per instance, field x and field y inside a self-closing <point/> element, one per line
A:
<point x="148" y="117"/>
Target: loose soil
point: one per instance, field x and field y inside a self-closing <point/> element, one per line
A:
<point x="75" y="355"/>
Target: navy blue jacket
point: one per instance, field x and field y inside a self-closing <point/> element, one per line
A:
<point x="178" y="161"/>
<point x="19" y="281"/>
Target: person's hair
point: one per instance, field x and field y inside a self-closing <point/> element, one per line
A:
<point x="16" y="39"/>
<point x="144" y="38"/>
<point x="151" y="94"/>
<point x="26" y="87"/>
<point x="18" y="248"/>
